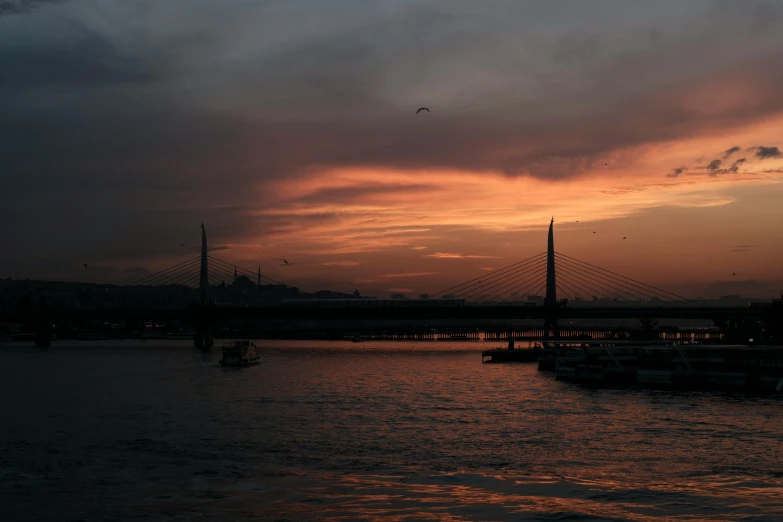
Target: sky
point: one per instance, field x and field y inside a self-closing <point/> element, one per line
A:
<point x="290" y="129"/>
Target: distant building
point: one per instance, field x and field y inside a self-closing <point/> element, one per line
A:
<point x="398" y="296"/>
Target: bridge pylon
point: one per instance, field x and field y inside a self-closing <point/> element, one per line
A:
<point x="550" y="300"/>
<point x="203" y="331"/>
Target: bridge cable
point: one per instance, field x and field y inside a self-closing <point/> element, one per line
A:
<point x="496" y="277"/>
<point x="246" y="273"/>
<point x="487" y="292"/>
<point x="513" y="288"/>
<point x="534" y="284"/>
<point x="596" y="286"/>
<point x="631" y="279"/>
<point x="605" y="283"/>
<point x="185" y="278"/>
<point x="591" y="286"/>
<point x="164" y="280"/>
<point x="143" y="280"/>
<point x="615" y="284"/>
<point x="488" y="275"/>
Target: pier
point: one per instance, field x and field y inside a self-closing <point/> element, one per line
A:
<point x="693" y="367"/>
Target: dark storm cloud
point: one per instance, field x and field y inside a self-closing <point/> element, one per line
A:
<point x="18" y="6"/>
<point x="735" y="166"/>
<point x="147" y="117"/>
<point x="767" y="152"/>
<point x="714" y="165"/>
<point x="718" y="166"/>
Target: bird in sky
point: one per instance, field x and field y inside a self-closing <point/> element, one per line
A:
<point x="286" y="263"/>
<point x="85" y="265"/>
<point x="623" y="237"/>
<point x="593" y="231"/>
<point x="734" y="273"/>
<point x="422" y="109"/>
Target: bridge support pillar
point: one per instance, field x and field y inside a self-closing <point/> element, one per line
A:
<point x="203" y="339"/>
<point x="551" y="325"/>
<point x="43" y="334"/>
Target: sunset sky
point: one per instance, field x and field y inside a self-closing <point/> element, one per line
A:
<point x="289" y="128"/>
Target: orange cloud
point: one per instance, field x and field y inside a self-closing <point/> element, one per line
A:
<point x="445" y="255"/>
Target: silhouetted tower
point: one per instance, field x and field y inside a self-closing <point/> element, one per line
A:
<point x="551" y="287"/>
<point x="203" y="283"/>
<point x="203" y="334"/>
<point x="235" y="273"/>
<point x="550" y="300"/>
<point x="259" y="276"/>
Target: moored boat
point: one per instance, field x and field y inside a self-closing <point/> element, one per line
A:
<point x="239" y="353"/>
<point x="511" y="354"/>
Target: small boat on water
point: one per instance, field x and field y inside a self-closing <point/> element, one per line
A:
<point x="239" y="353"/>
<point x="511" y="354"/>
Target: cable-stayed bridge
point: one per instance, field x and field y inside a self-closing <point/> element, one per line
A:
<point x="550" y="279"/>
<point x="205" y="289"/>
<point x="188" y="273"/>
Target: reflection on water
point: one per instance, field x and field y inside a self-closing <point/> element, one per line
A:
<point x="339" y="431"/>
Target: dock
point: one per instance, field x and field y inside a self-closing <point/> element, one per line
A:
<point x="695" y="367"/>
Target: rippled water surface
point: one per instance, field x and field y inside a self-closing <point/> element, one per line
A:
<point x="341" y="431"/>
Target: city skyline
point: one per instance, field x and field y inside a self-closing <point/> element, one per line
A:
<point x="290" y="130"/>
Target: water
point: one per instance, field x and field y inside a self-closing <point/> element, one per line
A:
<point x="340" y="431"/>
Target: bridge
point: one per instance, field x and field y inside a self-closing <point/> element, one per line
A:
<point x="509" y="293"/>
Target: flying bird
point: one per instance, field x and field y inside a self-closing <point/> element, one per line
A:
<point x="284" y="263"/>
<point x="734" y="273"/>
<point x="593" y="231"/>
<point x="422" y="109"/>
<point x="623" y="237"/>
<point x="85" y="265"/>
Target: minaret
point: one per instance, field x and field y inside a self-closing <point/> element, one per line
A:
<point x="551" y="286"/>
<point x="204" y="275"/>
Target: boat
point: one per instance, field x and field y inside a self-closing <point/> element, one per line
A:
<point x="511" y="354"/>
<point x="239" y="353"/>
